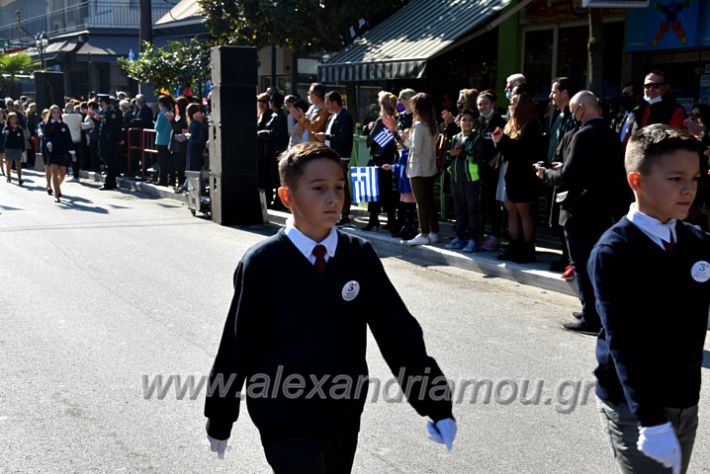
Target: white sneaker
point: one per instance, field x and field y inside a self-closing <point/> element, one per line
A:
<point x="433" y="237"/>
<point x="418" y="240"/>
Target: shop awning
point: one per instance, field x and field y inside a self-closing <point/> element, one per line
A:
<point x="67" y="46"/>
<point x="109" y="46"/>
<point x="400" y="46"/>
<point x="185" y="12"/>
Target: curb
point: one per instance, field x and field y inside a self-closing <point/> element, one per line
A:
<point x="483" y="262"/>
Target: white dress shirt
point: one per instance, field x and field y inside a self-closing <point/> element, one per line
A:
<point x="329" y="127"/>
<point x="305" y="244"/>
<point x="652" y="227"/>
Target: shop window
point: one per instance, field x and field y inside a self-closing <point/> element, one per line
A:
<point x="538" y="62"/>
<point x="572" y="55"/>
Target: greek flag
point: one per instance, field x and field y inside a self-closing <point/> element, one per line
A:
<point x="365" y="186"/>
<point x="383" y="138"/>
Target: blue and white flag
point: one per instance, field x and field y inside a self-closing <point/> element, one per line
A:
<point x="365" y="187"/>
<point x="383" y="138"/>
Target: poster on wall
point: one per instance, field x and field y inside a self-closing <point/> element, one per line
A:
<point x="666" y="24"/>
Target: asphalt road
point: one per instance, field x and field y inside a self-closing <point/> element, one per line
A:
<point x="107" y="289"/>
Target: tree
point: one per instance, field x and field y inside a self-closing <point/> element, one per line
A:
<point x="176" y="65"/>
<point x="302" y="25"/>
<point x="13" y="65"/>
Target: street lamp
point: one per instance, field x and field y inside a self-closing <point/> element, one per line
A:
<point x="41" y="41"/>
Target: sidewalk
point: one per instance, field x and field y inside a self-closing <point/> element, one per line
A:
<point x="535" y="274"/>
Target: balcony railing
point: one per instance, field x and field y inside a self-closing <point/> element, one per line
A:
<point x="84" y="15"/>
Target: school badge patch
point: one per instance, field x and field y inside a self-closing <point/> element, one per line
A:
<point x="350" y="290"/>
<point x="700" y="271"/>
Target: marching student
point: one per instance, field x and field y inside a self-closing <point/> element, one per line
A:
<point x="325" y="273"/>
<point x="650" y="348"/>
<point x="59" y="147"/>
<point x="14" y="136"/>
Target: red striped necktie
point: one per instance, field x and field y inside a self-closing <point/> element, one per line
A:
<point x="319" y="252"/>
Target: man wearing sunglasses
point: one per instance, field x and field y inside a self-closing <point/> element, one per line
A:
<point x="658" y="105"/>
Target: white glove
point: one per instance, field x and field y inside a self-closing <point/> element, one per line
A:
<point x="661" y="444"/>
<point x="217" y="446"/>
<point x="444" y="431"/>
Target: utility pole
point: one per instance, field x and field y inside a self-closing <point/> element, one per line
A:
<point x="595" y="53"/>
<point x="146" y="34"/>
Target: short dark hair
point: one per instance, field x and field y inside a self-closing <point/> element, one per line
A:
<point x="293" y="161"/>
<point x="291" y="98"/>
<point x="562" y="83"/>
<point x="318" y="89"/>
<point x="165" y="101"/>
<point x="334" y="96"/>
<point x="635" y="86"/>
<point x="277" y="98"/>
<point x="468" y="111"/>
<point x="648" y="145"/>
<point x="301" y="105"/>
<point x="488" y="94"/>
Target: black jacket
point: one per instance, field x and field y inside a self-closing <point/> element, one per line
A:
<point x="57" y="133"/>
<point x="594" y="176"/>
<point x="274" y="136"/>
<point x="341" y="134"/>
<point x="297" y="334"/>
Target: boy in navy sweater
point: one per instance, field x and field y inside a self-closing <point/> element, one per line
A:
<point x="650" y="348"/>
<point x="301" y="349"/>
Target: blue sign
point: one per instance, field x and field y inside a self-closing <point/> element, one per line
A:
<point x="668" y="24"/>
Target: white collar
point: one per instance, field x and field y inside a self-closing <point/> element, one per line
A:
<point x="652" y="227"/>
<point x="306" y="245"/>
<point x="54" y="121"/>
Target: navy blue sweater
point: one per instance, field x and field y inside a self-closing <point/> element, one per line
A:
<point x="307" y="323"/>
<point x="654" y="317"/>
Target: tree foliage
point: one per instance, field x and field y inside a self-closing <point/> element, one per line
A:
<point x="179" y="64"/>
<point x="302" y="25"/>
<point x="13" y="65"/>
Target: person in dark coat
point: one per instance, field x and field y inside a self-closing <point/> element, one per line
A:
<point x="338" y="135"/>
<point x="274" y="140"/>
<point x="597" y="195"/>
<point x="109" y="138"/>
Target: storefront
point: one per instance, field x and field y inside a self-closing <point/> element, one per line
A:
<point x="674" y="37"/>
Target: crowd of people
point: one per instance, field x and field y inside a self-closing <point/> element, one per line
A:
<point x="93" y="135"/>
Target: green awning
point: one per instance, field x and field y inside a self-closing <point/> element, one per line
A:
<point x="400" y="46"/>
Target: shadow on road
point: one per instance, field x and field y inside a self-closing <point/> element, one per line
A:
<point x="706" y="359"/>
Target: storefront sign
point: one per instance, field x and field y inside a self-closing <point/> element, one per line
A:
<point x="668" y="24"/>
<point x="615" y="3"/>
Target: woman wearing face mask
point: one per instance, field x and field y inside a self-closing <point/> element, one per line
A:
<point x="491" y="212"/>
<point x="163" y="128"/>
<point x="466" y="100"/>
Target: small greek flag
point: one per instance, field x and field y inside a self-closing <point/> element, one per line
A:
<point x="365" y="187"/>
<point x="384" y="138"/>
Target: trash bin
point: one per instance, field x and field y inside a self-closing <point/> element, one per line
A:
<point x="198" y="192"/>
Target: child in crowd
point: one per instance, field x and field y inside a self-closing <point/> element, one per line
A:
<point x="463" y="159"/>
<point x="650" y="348"/>
<point x="335" y="287"/>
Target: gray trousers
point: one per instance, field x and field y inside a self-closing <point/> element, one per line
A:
<point x="621" y="426"/>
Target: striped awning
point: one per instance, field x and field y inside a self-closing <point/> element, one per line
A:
<point x="400" y="46"/>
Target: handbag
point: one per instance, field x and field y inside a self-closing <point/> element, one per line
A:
<point x="440" y="149"/>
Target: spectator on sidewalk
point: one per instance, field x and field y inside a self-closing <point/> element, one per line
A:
<point x="650" y="349"/>
<point x="73" y="121"/>
<point x="109" y="138"/>
<point x="658" y="105"/>
<point x="520" y="145"/>
<point x="491" y="209"/>
<point x="597" y="195"/>
<point x="274" y="141"/>
<point x="316" y="118"/>
<point x="422" y="169"/>
<point x="197" y="137"/>
<point x="178" y="141"/>
<point x="338" y="135"/>
<point x="166" y="171"/>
